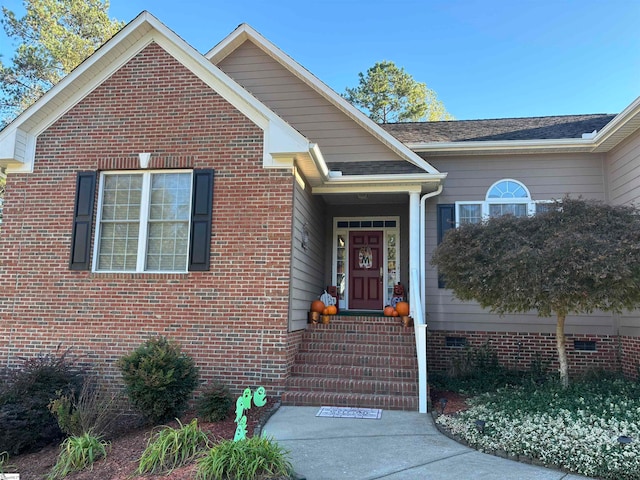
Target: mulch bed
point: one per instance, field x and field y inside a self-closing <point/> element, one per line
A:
<point x="125" y="450"/>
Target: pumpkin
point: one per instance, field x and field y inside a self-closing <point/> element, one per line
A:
<point x="388" y="311"/>
<point x="332" y="309"/>
<point x="317" y="306"/>
<point x="394" y="313"/>
<point x="402" y="308"/>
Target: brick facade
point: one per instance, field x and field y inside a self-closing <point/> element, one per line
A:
<point x="630" y="356"/>
<point x="518" y="350"/>
<point x="232" y="319"/>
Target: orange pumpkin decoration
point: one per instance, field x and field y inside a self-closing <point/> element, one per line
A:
<point x="402" y="308"/>
<point x="332" y="309"/>
<point x="317" y="306"/>
<point x="325" y="311"/>
<point x="388" y="311"/>
<point x="394" y="313"/>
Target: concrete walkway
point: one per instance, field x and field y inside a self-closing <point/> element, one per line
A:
<point x="399" y="446"/>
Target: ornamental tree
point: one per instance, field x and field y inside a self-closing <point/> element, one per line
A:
<point x="54" y="37"/>
<point x="577" y="257"/>
<point x="387" y="93"/>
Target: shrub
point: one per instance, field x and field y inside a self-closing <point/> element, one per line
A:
<point x="172" y="447"/>
<point x="214" y="404"/>
<point x="249" y="459"/>
<point x="93" y="411"/>
<point x="25" y="421"/>
<point x="78" y="453"/>
<point x="159" y="379"/>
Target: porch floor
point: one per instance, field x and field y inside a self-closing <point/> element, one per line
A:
<point x="355" y="361"/>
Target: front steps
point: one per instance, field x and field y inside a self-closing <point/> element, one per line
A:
<point x="367" y="362"/>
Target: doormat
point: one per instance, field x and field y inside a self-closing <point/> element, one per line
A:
<point x="348" y="412"/>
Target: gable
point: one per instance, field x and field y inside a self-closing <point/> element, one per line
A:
<point x="153" y="103"/>
<point x="17" y="141"/>
<point x="340" y="138"/>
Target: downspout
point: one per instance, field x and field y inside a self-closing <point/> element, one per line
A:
<point x="423" y="247"/>
<point x="420" y="324"/>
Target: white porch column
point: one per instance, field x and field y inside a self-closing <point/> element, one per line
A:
<point x="414" y="245"/>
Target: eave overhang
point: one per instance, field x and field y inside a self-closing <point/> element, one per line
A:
<point x="617" y="130"/>
<point x="402" y="183"/>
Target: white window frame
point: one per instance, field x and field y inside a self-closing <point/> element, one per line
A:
<point x="143" y="222"/>
<point x="486" y="204"/>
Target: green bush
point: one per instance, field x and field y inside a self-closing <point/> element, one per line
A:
<point x="172" y="447"/>
<point x="250" y="459"/>
<point x="93" y="410"/>
<point x="25" y="421"/>
<point x="78" y="453"/>
<point x="159" y="379"/>
<point x="214" y="404"/>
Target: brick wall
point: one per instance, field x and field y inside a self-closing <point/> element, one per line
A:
<point x="630" y="348"/>
<point x="519" y="350"/>
<point x="232" y="319"/>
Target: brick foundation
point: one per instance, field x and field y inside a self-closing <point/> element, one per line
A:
<point x="630" y="353"/>
<point x="519" y="350"/>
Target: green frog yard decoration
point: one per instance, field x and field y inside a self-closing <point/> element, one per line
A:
<point x="243" y="404"/>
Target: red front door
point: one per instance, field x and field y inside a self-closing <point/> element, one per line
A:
<point x="365" y="265"/>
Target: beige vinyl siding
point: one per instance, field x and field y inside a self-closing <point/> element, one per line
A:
<point x="630" y="323"/>
<point x="339" y="137"/>
<point x="546" y="177"/>
<point x="307" y="280"/>
<point x="623" y="172"/>
<point x="623" y="175"/>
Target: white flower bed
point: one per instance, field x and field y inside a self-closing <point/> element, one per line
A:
<point x="581" y="440"/>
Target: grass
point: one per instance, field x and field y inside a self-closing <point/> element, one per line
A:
<point x="249" y="459"/>
<point x="78" y="453"/>
<point x="171" y="448"/>
<point x="575" y="429"/>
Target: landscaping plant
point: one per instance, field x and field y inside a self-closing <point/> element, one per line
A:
<point x="159" y="379"/>
<point x="25" y="421"/>
<point x="582" y="428"/>
<point x="93" y="410"/>
<point x="215" y="402"/>
<point x="249" y="459"/>
<point x="172" y="447"/>
<point x="78" y="453"/>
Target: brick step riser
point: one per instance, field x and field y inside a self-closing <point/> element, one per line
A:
<point x="358" y="349"/>
<point x="319" y="399"/>
<point x="380" y="328"/>
<point x="351" y="337"/>
<point x="355" y="373"/>
<point x="356" y="360"/>
<point x="335" y="385"/>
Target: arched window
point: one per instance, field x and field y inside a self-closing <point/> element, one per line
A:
<point x="505" y="197"/>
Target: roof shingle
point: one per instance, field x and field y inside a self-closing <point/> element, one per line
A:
<point x="530" y="128"/>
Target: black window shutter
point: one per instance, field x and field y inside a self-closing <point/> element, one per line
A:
<point x="446" y="220"/>
<point x="201" y="211"/>
<point x="82" y="221"/>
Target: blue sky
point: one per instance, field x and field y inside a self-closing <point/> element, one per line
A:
<point x="485" y="59"/>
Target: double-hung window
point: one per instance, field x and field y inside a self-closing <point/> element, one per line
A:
<point x="143" y="222"/>
<point x="147" y="221"/>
